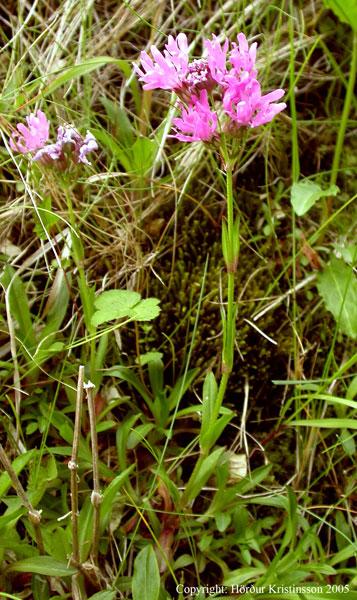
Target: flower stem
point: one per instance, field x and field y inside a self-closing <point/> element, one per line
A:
<point x="230" y="242"/>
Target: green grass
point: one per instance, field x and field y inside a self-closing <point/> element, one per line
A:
<point x="192" y="494"/>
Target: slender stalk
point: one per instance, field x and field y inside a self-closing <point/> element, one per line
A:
<point x="96" y="497"/>
<point x="83" y="286"/>
<point x="327" y="206"/>
<point x="73" y="466"/>
<point x="231" y="253"/>
<point x="228" y="350"/>
<point x="33" y="514"/>
<point x="346" y="111"/>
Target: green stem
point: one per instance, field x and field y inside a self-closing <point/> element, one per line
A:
<point x="229" y="319"/>
<point x="346" y="110"/>
<point x="83" y="286"/>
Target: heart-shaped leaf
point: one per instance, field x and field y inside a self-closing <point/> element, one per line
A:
<point x="305" y="193"/>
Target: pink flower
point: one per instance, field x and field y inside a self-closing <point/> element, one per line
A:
<point x="242" y="57"/>
<point x="89" y="144"/>
<point x="197" y="122"/>
<point x="245" y="105"/>
<point x="32" y="137"/>
<point x="217" y="58"/>
<point x="69" y="145"/>
<point x="168" y="70"/>
<point x="266" y="108"/>
<point x="230" y="76"/>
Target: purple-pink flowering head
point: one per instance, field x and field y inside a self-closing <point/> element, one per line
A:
<point x="165" y="71"/>
<point x="69" y="146"/>
<point x="32" y="137"/>
<point x="223" y="82"/>
<point x="197" y="122"/>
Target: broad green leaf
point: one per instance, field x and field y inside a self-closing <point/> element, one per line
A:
<point x="305" y="193"/>
<point x="56" y="306"/>
<point x="119" y="122"/>
<point x="338" y="287"/>
<point x="109" y="496"/>
<point x="352" y="389"/>
<point x="114" y="304"/>
<point x="348" y="253"/>
<point x="107" y="595"/>
<point x="180" y="387"/>
<point x="75" y="71"/>
<point x="146" y="310"/>
<point x="222" y="521"/>
<point x="345" y="10"/>
<point x="201" y="473"/>
<point x="43" y="565"/>
<point x="138" y="435"/>
<point x="327" y="423"/>
<point x="127" y="374"/>
<point x="209" y="394"/>
<point x="19" y="306"/>
<point x="146" y="578"/>
<point x="149" y="357"/>
<point x="107" y="141"/>
<point x="183" y="561"/>
<point x="47" y="218"/>
<point x="243" y="575"/>
<point x="85" y="527"/>
<point x="117" y="304"/>
<point x="143" y="154"/>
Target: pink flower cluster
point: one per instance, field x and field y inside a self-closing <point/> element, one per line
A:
<point x="69" y="143"/>
<point x="224" y="82"/>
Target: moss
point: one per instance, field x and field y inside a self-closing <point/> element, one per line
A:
<point x="256" y="358"/>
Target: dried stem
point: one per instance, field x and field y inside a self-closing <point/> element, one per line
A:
<point x="73" y="466"/>
<point x="96" y="496"/>
<point x="33" y="514"/>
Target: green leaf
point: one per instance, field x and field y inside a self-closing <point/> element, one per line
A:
<point x="243" y="575"/>
<point x="180" y="387"/>
<point x="119" y="121"/>
<point x="47" y="218"/>
<point x="327" y="423"/>
<point x="43" y="565"/>
<point x="201" y="473"/>
<point x="109" y="496"/>
<point x="149" y="357"/>
<point x="127" y="374"/>
<point x="146" y="578"/>
<point x="348" y="253"/>
<point x="75" y="71"/>
<point x="338" y="288"/>
<point x="345" y="10"/>
<point x="19" y="307"/>
<point x="146" y="310"/>
<point x="222" y="521"/>
<point x="107" y="595"/>
<point x="138" y="435"/>
<point x="117" y="304"/>
<point x="85" y="526"/>
<point x="209" y="394"/>
<point x="114" y="304"/>
<point x="305" y="193"/>
<point x="143" y="154"/>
